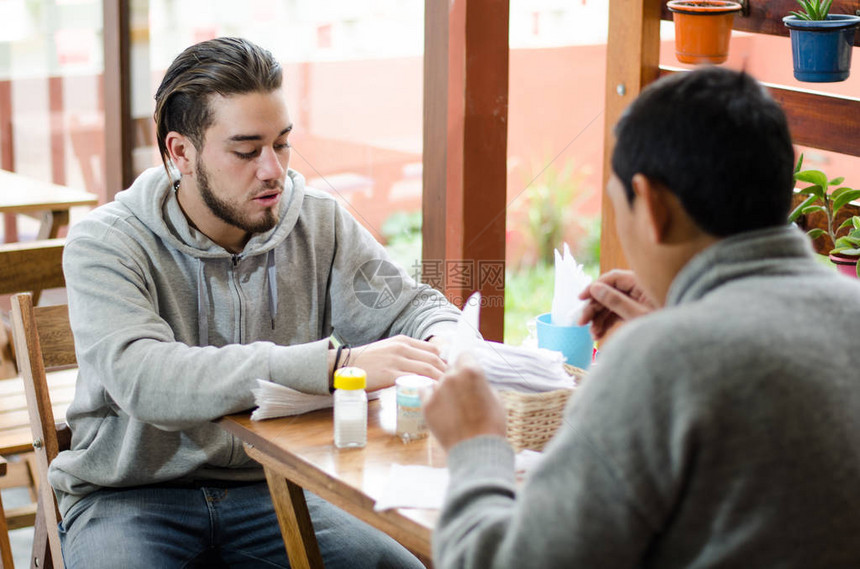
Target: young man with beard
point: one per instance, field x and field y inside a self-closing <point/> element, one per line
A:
<point x="721" y="429"/>
<point x="216" y="270"/>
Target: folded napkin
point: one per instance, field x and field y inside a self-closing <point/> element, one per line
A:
<point x="275" y="400"/>
<point x="570" y="280"/>
<point x="466" y="336"/>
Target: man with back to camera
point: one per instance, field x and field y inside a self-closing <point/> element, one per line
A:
<point x="206" y="274"/>
<point x="722" y="429"/>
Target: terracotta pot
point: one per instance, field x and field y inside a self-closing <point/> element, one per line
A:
<point x="846" y="265"/>
<point x="702" y="29"/>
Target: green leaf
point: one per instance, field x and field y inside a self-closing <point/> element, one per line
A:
<point x="837" y="181"/>
<point x="838" y="191"/>
<point x="816" y="191"/>
<point x="812" y="209"/>
<point x="846" y="243"/>
<point x="847" y="223"/>
<point x="849" y="195"/>
<point x="816" y="177"/>
<point x="815" y="233"/>
<point x="800" y="159"/>
<point x="799" y="209"/>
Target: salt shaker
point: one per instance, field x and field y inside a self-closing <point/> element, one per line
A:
<point x="350" y="407"/>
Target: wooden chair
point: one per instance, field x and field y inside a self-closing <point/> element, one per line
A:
<point x="26" y="266"/>
<point x="30" y="266"/>
<point x="45" y="342"/>
<point x="5" y="547"/>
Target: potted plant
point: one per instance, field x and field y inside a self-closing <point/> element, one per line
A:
<point x="821" y="42"/>
<point x="702" y="29"/>
<point x="847" y="250"/>
<point x="828" y="197"/>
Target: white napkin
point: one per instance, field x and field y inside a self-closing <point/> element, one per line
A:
<point x="570" y="280"/>
<point x="425" y="486"/>
<point x="517" y="368"/>
<point x="521" y="368"/>
<point x="465" y="338"/>
<point x="275" y="400"/>
<point x="413" y="487"/>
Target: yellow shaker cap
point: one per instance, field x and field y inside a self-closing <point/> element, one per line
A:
<point x="350" y="378"/>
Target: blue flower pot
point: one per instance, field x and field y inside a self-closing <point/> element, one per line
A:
<point x="821" y="49"/>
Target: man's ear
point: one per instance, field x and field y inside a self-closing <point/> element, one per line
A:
<point x="182" y="152"/>
<point x="657" y="207"/>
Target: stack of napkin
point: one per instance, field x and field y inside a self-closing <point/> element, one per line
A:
<point x="515" y="368"/>
<point x="275" y="400"/>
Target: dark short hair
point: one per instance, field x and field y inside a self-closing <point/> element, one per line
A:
<point x="718" y="141"/>
<point x="223" y="66"/>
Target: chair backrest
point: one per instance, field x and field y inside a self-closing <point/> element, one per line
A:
<point x="27" y="267"/>
<point x="45" y="342"/>
<point x="31" y="265"/>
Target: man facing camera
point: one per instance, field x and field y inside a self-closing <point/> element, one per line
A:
<point x="721" y="429"/>
<point x="216" y="270"/>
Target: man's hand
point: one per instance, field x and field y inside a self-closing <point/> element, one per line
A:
<point x="386" y="360"/>
<point x="463" y="406"/>
<point x="613" y="298"/>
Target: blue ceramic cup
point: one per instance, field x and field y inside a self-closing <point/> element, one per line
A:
<point x="573" y="341"/>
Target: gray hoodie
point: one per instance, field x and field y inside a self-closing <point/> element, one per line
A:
<point x="720" y="432"/>
<point x="171" y="330"/>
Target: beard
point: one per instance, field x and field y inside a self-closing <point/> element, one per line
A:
<point x="230" y="212"/>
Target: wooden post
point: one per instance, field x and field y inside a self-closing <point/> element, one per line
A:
<point x="465" y="152"/>
<point x="119" y="137"/>
<point x="58" y="130"/>
<point x="632" y="60"/>
<point x="7" y="154"/>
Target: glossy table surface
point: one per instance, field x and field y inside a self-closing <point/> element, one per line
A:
<point x="302" y="449"/>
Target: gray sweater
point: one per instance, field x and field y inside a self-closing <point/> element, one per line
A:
<point x="722" y="431"/>
<point x="171" y="330"/>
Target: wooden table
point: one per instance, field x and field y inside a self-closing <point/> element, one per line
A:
<point x="25" y="195"/>
<point x="299" y="452"/>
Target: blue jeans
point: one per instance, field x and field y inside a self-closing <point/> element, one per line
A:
<point x="155" y="527"/>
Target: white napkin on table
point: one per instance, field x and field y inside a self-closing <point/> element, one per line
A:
<point x="570" y="280"/>
<point x="275" y="400"/>
<point x="425" y="486"/>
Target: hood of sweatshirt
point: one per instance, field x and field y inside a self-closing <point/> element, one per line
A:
<point x="152" y="199"/>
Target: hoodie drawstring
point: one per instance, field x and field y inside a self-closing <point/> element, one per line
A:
<point x="202" y="306"/>
<point x="271" y="277"/>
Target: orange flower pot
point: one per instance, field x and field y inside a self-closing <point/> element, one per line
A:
<point x="702" y="29"/>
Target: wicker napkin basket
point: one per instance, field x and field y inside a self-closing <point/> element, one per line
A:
<point x="533" y="418"/>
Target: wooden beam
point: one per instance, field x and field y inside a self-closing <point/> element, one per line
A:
<point x="58" y="130"/>
<point x="465" y="152"/>
<point x="632" y="59"/>
<point x="117" y="98"/>
<point x="766" y="17"/>
<point x="821" y="121"/>
<point x="826" y="122"/>
<point x="7" y="154"/>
